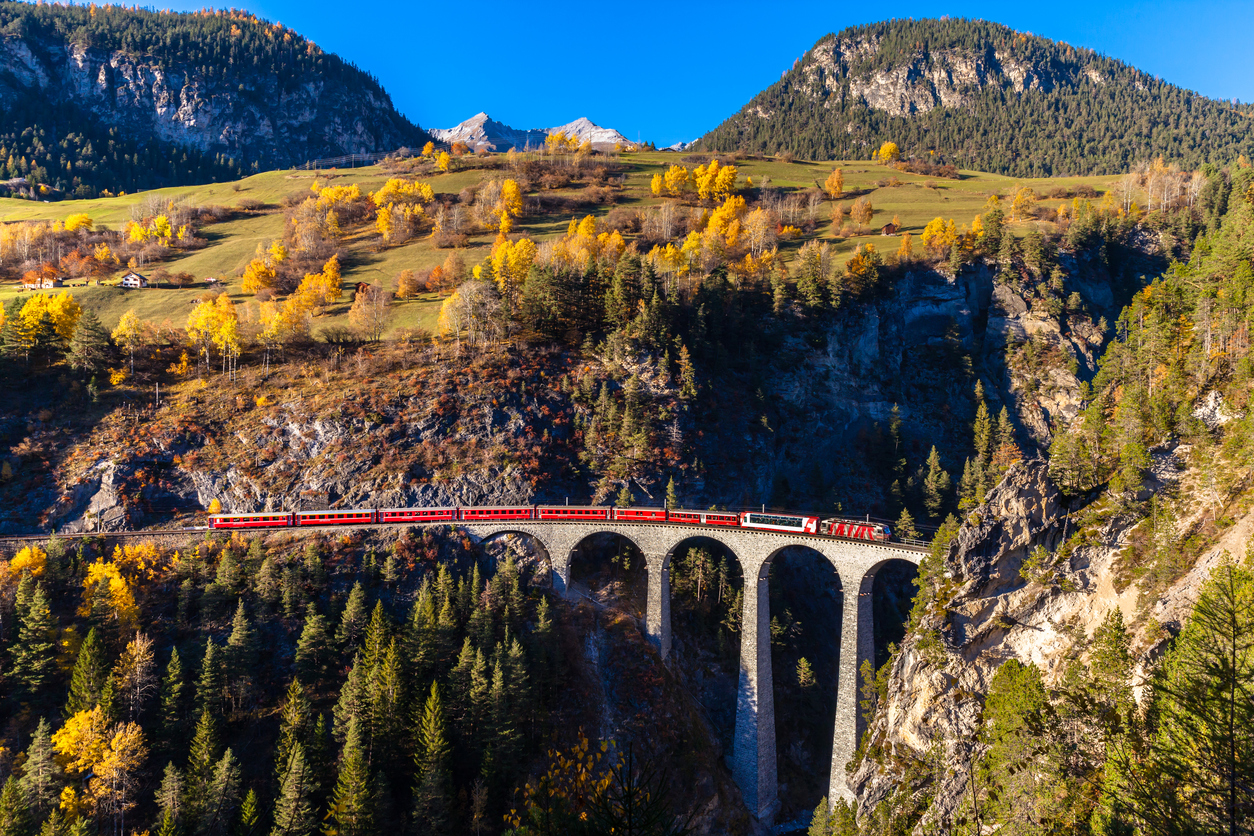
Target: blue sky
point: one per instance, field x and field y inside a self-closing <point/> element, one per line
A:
<point x="672" y="71"/>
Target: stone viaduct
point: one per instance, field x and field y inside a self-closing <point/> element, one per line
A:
<point x="856" y="563"/>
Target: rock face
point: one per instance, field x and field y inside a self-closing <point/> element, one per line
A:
<point x="997" y="614"/>
<point x="246" y="115"/>
<point x="482" y="131"/>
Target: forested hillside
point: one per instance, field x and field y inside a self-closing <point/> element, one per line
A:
<point x="105" y="98"/>
<point x="984" y="97"/>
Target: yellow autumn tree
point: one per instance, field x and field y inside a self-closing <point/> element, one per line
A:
<point x="76" y="222"/>
<point x="511" y="262"/>
<point x="888" y="153"/>
<point x="443" y="161"/>
<point x="83" y="741"/>
<point x="60" y="308"/>
<point x="29" y="559"/>
<point x="510" y="204"/>
<point x="834" y="185"/>
<point x="130" y="334"/>
<point x="258" y="276"/>
<point x="657" y="185"/>
<point x="105" y="586"/>
<point x="428" y="149"/>
<point x="677" y="180"/>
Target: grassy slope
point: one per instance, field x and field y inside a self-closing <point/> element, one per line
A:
<point x="232" y="244"/>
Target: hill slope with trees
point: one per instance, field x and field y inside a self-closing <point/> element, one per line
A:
<point x="981" y="96"/>
<point x="107" y="98"/>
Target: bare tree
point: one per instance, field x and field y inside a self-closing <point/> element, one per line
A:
<point x="371" y="312"/>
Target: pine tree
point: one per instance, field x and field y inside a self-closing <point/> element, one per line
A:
<point x="32" y="655"/>
<point x="386" y="694"/>
<point x="312" y="650"/>
<point x="353" y="621"/>
<point x="90" y="350"/>
<point x="212" y="680"/>
<point x="172" y="697"/>
<point x="54" y="825"/>
<point x="249" y="814"/>
<point x="295" y="725"/>
<point x="204" y="753"/>
<point x="982" y="433"/>
<point x="241" y="656"/>
<point x="936" y="485"/>
<point x="624" y="498"/>
<point x="293" y="811"/>
<point x="672" y="496"/>
<point x="88" y="679"/>
<point x="432" y="777"/>
<point x="687" y="375"/>
<point x="420" y="635"/>
<point x="353" y="803"/>
<point x="905" y="526"/>
<point x="15" y="817"/>
<point x="171" y="797"/>
<point x="221" y="798"/>
<point x="480" y="691"/>
<point x="378" y="633"/>
<point x="968" y="485"/>
<point x="353" y="699"/>
<point x="42" y="774"/>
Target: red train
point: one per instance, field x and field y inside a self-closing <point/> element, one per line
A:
<point x="791" y="523"/>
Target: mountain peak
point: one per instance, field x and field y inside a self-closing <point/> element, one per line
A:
<point x="482" y="131"/>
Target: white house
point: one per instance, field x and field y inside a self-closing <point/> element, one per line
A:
<point x="134" y="280"/>
<point x="42" y="283"/>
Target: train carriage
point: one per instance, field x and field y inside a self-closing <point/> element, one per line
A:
<point x="343" y="517"/>
<point x="401" y="515"/>
<point x="856" y="530"/>
<point x="572" y="512"/>
<point x="269" y="519"/>
<point x="711" y="518"/>
<point x="511" y="512"/>
<point x="640" y="514"/>
<point x="780" y="522"/>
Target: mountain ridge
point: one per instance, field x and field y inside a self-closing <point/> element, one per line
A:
<point x="482" y="131"/>
<point x="982" y="96"/>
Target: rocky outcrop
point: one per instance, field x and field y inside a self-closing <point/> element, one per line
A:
<point x="247" y="115"/>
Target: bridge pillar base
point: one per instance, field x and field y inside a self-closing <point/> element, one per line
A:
<point x="753" y="750"/>
<point x="658" y="612"/>
<point x="857" y="644"/>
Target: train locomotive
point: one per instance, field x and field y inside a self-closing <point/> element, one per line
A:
<point x="762" y="521"/>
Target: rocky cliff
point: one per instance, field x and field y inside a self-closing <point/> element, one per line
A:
<point x="217" y="84"/>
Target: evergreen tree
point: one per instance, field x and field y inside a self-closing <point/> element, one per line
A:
<point x="353" y="701"/>
<point x="90" y="350"/>
<point x="420" y="635"/>
<point x="386" y="694"/>
<point x="54" y="825"/>
<point x="295" y="725"/>
<point x="312" y="650"/>
<point x="32" y="655"/>
<point x="982" y="433"/>
<point x="170" y="798"/>
<point x="672" y="496"/>
<point x="353" y="804"/>
<point x="293" y="811"/>
<point x="624" y="498"/>
<point x="15" y="818"/>
<point x="905" y="526"/>
<point x="221" y="798"/>
<point x="378" y="634"/>
<point x="42" y="774"/>
<point x="936" y="485"/>
<point x="241" y="656"/>
<point x="172" y="696"/>
<point x="432" y="776"/>
<point x="204" y="753"/>
<point x="353" y="622"/>
<point x="249" y="814"/>
<point x="88" y="679"/>
<point x="212" y="680"/>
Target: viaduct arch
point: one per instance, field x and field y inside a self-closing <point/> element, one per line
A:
<point x="753" y="753"/>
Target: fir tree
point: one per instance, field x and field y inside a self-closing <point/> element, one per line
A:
<point x="624" y="498"/>
<point x="42" y="774"/>
<point x="15" y="817"/>
<point x="672" y="496"/>
<point x="905" y="526"/>
<point x="312" y="650"/>
<point x="90" y="350"/>
<point x="221" y="798"/>
<point x="936" y="485"/>
<point x="249" y="814"/>
<point x="353" y="803"/>
<point x="295" y="725"/>
<point x="241" y="656"/>
<point x="386" y="694"/>
<point x="212" y="680"/>
<point x="432" y="777"/>
<point x="293" y="811"/>
<point x="204" y="753"/>
<point x="32" y="655"/>
<point x="54" y="825"/>
<point x="378" y="633"/>
<point x="420" y="635"/>
<point x="353" y="622"/>
<point x="982" y="433"/>
<point x="172" y="696"/>
<point x="353" y="699"/>
<point x="171" y="797"/>
<point x="88" y="679"/>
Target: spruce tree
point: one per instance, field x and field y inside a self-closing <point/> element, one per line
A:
<point x="221" y="798"/>
<point x="624" y="498"/>
<point x="935" y="485"/>
<point x="352" y="806"/>
<point x="905" y="526"/>
<point x="42" y="774"/>
<point x="172" y="719"/>
<point x="171" y="797"/>
<point x="672" y="496"/>
<point x="212" y="680"/>
<point x="90" y="350"/>
<point x="241" y="656"/>
<point x="204" y="753"/>
<point x="420" y="635"/>
<point x="88" y="679"/>
<point x="386" y="694"/>
<point x="249" y="814"/>
<point x="293" y="811"/>
<point x="32" y="655"/>
<point x="54" y="825"/>
<point x="479" y="707"/>
<point x="353" y="621"/>
<point x="15" y="817"/>
<point x="295" y="725"/>
<point x="982" y="433"/>
<point x="312" y="650"/>
<point x="353" y="701"/>
<point x="432" y="776"/>
<point x="378" y="633"/>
